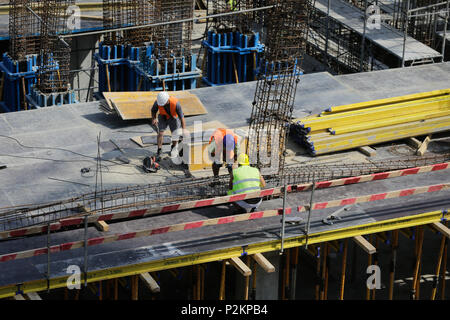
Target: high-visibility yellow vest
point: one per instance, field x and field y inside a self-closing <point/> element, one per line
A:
<point x="245" y="179"/>
<point x="232" y="4"/>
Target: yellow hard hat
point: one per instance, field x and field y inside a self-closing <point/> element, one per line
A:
<point x="243" y="159"/>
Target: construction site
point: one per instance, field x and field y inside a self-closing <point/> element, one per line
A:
<point x="332" y="116"/>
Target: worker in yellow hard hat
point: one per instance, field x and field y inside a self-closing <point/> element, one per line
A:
<point x="246" y="179"/>
<point x="232" y="5"/>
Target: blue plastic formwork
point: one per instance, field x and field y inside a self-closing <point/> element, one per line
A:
<point x="38" y="99"/>
<point x="112" y="59"/>
<point x="16" y="75"/>
<point x="229" y="54"/>
<point x="175" y="73"/>
<point x="136" y="69"/>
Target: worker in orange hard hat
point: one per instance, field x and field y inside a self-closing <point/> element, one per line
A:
<point x="223" y="147"/>
<point x="170" y="114"/>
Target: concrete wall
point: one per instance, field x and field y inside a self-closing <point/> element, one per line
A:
<point x="83" y="48"/>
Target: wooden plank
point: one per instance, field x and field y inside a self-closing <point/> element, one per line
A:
<point x="102" y="226"/>
<point x="364" y="244"/>
<point x="368" y="151"/>
<point x="241" y="266"/>
<point x="263" y="262"/>
<point x="137" y="105"/>
<point x="33" y="296"/>
<point x="19" y="297"/>
<point x="413" y="143"/>
<point x="150" y="282"/>
<point x="134" y="287"/>
<point x="442" y="229"/>
<point x="423" y="147"/>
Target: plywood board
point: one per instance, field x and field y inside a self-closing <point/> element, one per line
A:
<point x="137" y="105"/>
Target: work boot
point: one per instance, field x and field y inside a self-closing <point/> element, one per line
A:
<point x="158" y="155"/>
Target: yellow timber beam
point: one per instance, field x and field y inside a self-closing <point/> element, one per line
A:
<point x="380" y="102"/>
<point x="371" y="137"/>
<point x="222" y="254"/>
<point x="371" y="114"/>
<point x="389" y="121"/>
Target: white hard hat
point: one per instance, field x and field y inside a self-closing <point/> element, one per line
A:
<point x="162" y="98"/>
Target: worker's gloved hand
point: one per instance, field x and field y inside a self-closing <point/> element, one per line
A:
<point x="154" y="121"/>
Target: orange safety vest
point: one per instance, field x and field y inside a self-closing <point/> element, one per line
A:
<point x="220" y="133"/>
<point x="173" y="108"/>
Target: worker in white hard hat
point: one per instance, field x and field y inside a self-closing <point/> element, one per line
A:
<point x="170" y="114"/>
<point x="246" y="179"/>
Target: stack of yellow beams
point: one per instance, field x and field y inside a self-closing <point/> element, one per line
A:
<point x="368" y="123"/>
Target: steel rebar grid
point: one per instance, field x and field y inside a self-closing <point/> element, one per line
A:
<point x="156" y="195"/>
<point x="277" y="83"/>
<point x="242" y="22"/>
<point x="24" y="28"/>
<point x="54" y="69"/>
<point x="173" y="39"/>
<point x="422" y="26"/>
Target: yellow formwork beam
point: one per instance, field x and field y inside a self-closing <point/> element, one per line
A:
<point x="374" y="136"/>
<point x="371" y="114"/>
<point x="223" y="254"/>
<point x="389" y="122"/>
<point x="372" y="132"/>
<point x="380" y="102"/>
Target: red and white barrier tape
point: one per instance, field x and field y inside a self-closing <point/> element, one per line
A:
<point x="219" y="200"/>
<point x="218" y="221"/>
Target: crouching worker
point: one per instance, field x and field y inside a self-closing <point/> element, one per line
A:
<point x="223" y="147"/>
<point x="246" y="179"/>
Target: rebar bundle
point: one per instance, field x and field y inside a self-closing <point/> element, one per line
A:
<point x="174" y="39"/>
<point x="335" y="44"/>
<point x="171" y="39"/>
<point x="114" y="16"/>
<point x="275" y="91"/>
<point x="242" y="22"/>
<point x="140" y="12"/>
<point x="24" y="28"/>
<point x="54" y="69"/>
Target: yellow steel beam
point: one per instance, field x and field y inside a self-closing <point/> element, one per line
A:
<point x="380" y="102"/>
<point x="228" y="253"/>
<point x="395" y="110"/>
<point x="388" y="121"/>
<point x="374" y="136"/>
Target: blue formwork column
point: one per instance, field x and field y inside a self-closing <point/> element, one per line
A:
<point x="231" y="54"/>
<point x="17" y="77"/>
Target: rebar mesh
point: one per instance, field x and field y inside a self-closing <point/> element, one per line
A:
<point x="242" y="22"/>
<point x="173" y="39"/>
<point x="24" y="28"/>
<point x="277" y="83"/>
<point x="54" y="69"/>
<point x="131" y="198"/>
